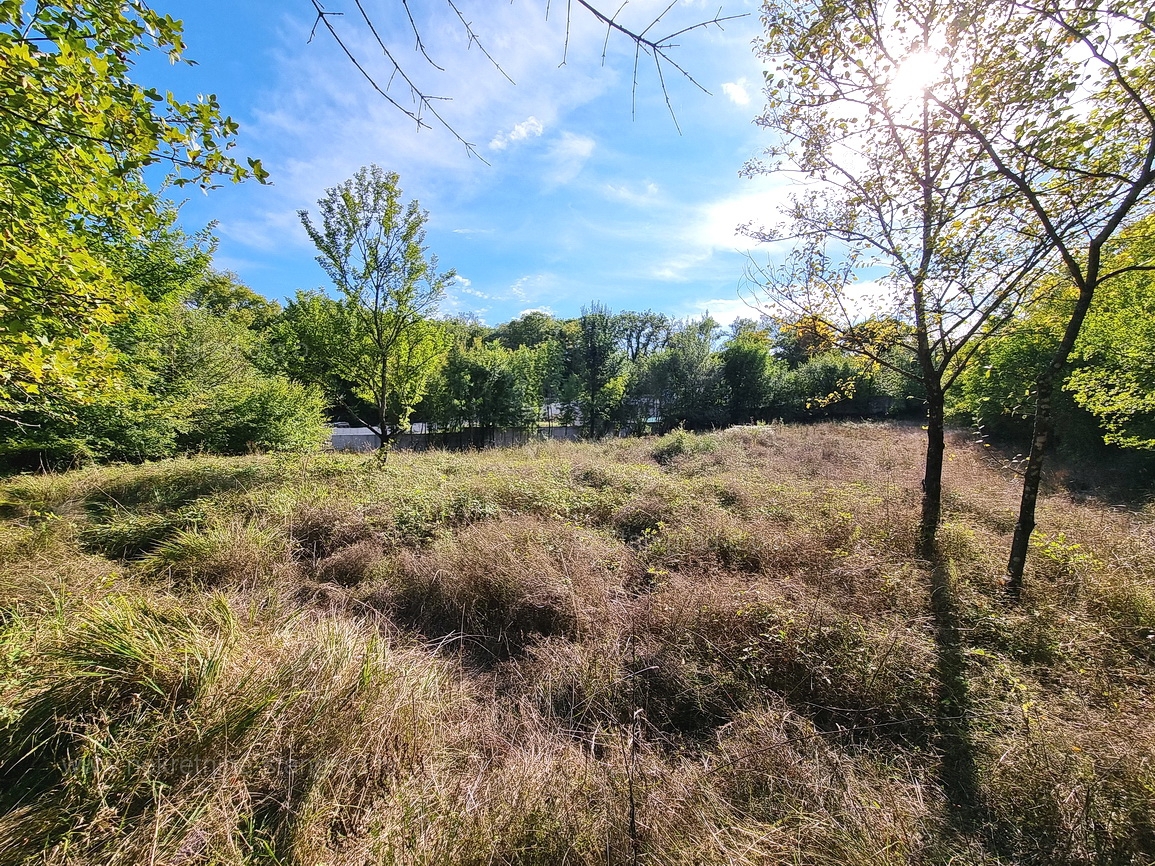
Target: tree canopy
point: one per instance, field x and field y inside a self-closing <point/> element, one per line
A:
<point x="76" y="134"/>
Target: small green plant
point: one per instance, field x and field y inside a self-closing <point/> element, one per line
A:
<point x="681" y="442"/>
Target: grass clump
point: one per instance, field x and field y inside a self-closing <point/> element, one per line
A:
<point x="497" y="584"/>
<point x="681" y="443"/>
<point x="131" y="535"/>
<point x="237" y="552"/>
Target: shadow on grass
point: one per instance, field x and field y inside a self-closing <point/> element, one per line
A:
<point x="959" y="770"/>
<point x="967" y="813"/>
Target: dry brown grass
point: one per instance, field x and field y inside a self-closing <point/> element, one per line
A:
<point x="498" y="584"/>
<point x="690" y="650"/>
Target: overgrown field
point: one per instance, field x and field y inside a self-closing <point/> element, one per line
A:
<point x="688" y="650"/>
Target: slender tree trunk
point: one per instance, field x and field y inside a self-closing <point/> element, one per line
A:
<point x="932" y="477"/>
<point x="1025" y="524"/>
<point x="932" y="377"/>
<point x="382" y="399"/>
<point x="1043" y="427"/>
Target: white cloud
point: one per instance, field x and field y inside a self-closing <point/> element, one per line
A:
<point x="736" y="91"/>
<point x="265" y="230"/>
<point x="533" y="287"/>
<point x="724" y="310"/>
<point x="567" y="156"/>
<point x="719" y="220"/>
<point x="320" y="125"/>
<point x="572" y="209"/>
<point x="531" y="127"/>
<point x="643" y="195"/>
<point x="703" y="230"/>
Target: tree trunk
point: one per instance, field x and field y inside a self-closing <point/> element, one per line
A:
<point x="932" y="477"/>
<point x="1043" y="426"/>
<point x="1025" y="525"/>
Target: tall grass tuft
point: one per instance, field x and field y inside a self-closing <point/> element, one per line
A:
<point x="497" y="585"/>
<point x="235" y="553"/>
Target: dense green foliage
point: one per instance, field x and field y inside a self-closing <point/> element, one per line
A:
<point x="191" y="370"/>
<point x="1106" y="392"/>
<point x="1114" y="366"/>
<point x="75" y="134"/>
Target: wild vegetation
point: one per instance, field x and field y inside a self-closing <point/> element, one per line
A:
<point x="687" y="649"/>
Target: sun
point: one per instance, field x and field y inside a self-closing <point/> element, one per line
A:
<point x="915" y="74"/>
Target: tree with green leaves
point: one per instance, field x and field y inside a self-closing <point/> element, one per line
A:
<point x="597" y="365"/>
<point x="685" y="379"/>
<point x="76" y="134"/>
<point x="898" y="196"/>
<point x="223" y="294"/>
<point x="746" y="371"/>
<point x="1114" y="364"/>
<point x="1108" y="392"/>
<point x="484" y="387"/>
<point x="644" y="333"/>
<point x="1078" y="153"/>
<point x="379" y="336"/>
<point x="189" y="375"/>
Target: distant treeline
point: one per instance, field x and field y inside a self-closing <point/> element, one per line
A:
<point x="205" y="364"/>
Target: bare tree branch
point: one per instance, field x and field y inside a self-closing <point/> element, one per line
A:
<point x="659" y="48"/>
<point x="424" y="101"/>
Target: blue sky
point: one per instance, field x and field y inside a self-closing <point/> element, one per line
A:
<point x="586" y="196"/>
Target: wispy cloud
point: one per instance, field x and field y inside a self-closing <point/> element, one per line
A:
<point x="531" y="127"/>
<point x="317" y="128"/>
<point x="574" y="199"/>
<point x="645" y="194"/>
<point x="736" y="91"/>
<point x="567" y="156"/>
<point x="702" y="231"/>
<point x="531" y="286"/>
